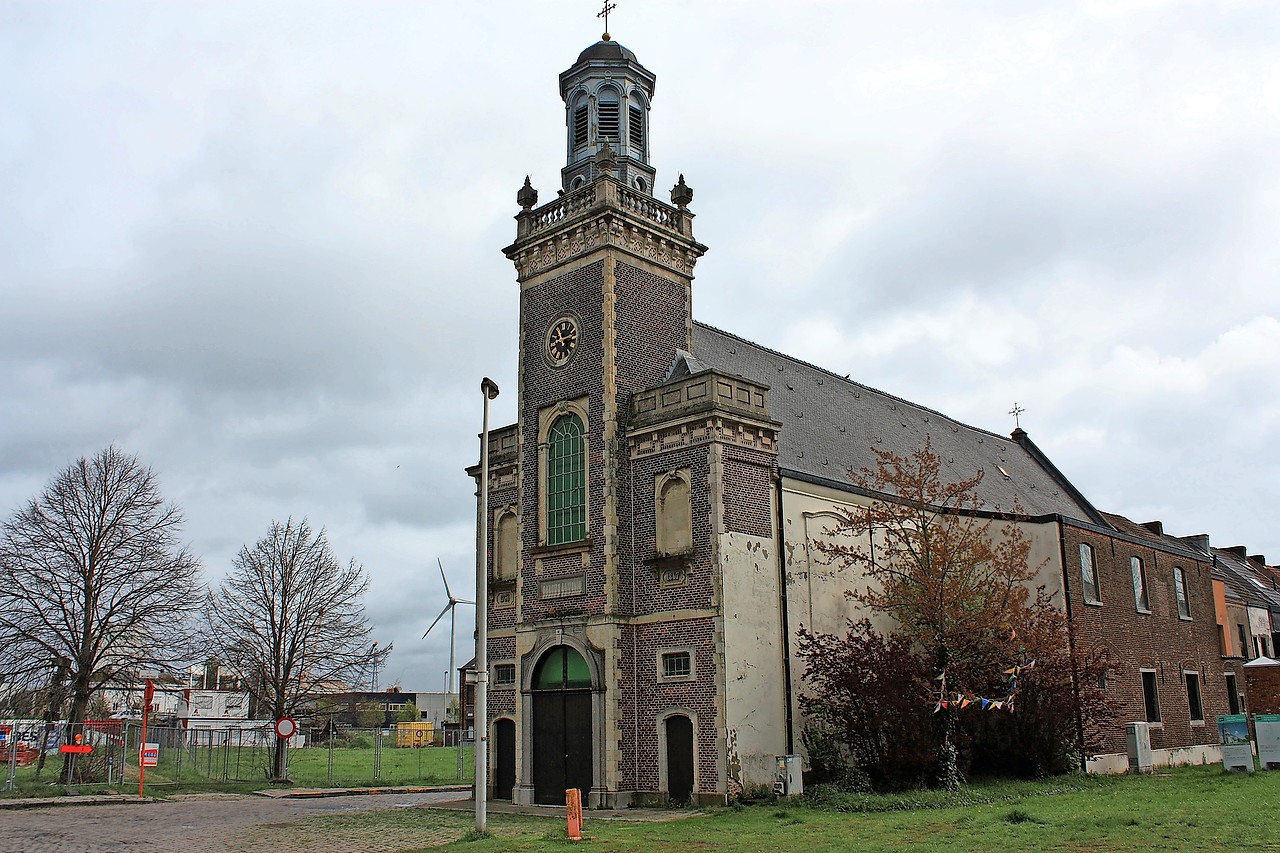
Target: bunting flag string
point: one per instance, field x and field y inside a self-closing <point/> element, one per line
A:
<point x="961" y="701"/>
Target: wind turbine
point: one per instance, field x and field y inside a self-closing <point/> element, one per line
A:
<point x="451" y="609"/>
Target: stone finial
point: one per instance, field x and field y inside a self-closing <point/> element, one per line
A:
<point x="681" y="194"/>
<point x="527" y="196"/>
<point x="606" y="161"/>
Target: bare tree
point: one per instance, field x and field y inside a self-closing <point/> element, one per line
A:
<point x="92" y="574"/>
<point x="290" y="619"/>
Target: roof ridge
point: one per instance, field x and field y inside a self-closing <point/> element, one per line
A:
<point x="845" y="378"/>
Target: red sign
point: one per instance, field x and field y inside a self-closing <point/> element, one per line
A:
<point x="5" y="731"/>
<point x="150" y="754"/>
<point x="286" y="727"/>
<point x="79" y="748"/>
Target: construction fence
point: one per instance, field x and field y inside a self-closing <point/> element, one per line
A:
<point x="349" y="758"/>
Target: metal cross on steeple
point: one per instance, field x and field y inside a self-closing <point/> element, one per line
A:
<point x="1015" y="411"/>
<point x="604" y="13"/>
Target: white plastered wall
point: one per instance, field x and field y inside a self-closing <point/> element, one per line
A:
<point x="755" y="704"/>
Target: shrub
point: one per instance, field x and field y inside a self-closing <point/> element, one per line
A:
<point x="868" y="708"/>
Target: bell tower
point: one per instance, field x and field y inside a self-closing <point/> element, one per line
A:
<point x="606" y="96"/>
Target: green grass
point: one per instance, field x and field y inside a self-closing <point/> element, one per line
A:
<point x="432" y="765"/>
<point x="1184" y="810"/>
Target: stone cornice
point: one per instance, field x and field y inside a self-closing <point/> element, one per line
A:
<point x="604" y="214"/>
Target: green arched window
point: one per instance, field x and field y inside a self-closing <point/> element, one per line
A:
<point x="566" y="481"/>
<point x="562" y="668"/>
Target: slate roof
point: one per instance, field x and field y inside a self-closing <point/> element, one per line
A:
<point x="830" y="423"/>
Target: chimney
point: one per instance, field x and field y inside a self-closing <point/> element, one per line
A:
<point x="1199" y="540"/>
<point x="1156" y="527"/>
<point x="1237" y="550"/>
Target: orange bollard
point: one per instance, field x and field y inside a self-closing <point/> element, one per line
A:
<point x="573" y="813"/>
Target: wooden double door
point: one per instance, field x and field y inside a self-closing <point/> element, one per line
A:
<point x="562" y="740"/>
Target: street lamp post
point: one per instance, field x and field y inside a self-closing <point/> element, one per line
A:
<point x="490" y="390"/>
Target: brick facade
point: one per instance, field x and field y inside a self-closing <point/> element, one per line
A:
<point x="1160" y="641"/>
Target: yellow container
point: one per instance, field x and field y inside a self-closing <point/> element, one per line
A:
<point x="420" y="733"/>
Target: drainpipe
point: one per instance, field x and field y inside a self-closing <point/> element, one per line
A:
<point x="1071" y="640"/>
<point x="786" y="626"/>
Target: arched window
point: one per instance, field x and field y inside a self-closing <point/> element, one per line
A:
<point x="506" y="547"/>
<point x="566" y="497"/>
<point x="562" y="668"/>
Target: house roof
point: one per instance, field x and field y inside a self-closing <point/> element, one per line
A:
<point x="1245" y="580"/>
<point x="830" y="423"/>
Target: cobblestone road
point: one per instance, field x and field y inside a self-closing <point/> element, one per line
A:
<point x="226" y="823"/>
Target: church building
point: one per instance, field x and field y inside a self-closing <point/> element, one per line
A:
<point x="653" y="509"/>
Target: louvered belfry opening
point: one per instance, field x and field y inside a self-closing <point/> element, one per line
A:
<point x="609" y="120"/>
<point x="635" y="129"/>
<point x="580" y="126"/>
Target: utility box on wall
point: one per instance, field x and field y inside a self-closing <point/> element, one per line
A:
<point x="789" y="781"/>
<point x="1138" y="738"/>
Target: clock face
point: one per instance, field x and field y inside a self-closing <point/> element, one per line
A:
<point x="562" y="340"/>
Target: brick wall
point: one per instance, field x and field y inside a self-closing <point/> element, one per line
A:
<point x="747" y="488"/>
<point x="639" y="650"/>
<point x="1159" y="640"/>
<point x="634" y="551"/>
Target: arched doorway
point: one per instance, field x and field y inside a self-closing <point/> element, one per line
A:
<point x="504" y="747"/>
<point x="561" y="726"/>
<point x="679" y="734"/>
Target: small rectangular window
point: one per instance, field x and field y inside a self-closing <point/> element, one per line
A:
<point x="1243" y="650"/>
<point x="1193" y="697"/>
<point x="504" y="674"/>
<point x="1180" y="590"/>
<point x="1089" y="574"/>
<point x="561" y="587"/>
<point x="1139" y="571"/>
<point x="676" y="665"/>
<point x="1233" y="694"/>
<point x="1151" y="695"/>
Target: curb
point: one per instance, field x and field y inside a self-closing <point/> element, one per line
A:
<point x="87" y="800"/>
<point x="316" y="793"/>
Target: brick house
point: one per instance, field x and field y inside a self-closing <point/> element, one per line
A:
<point x="652" y="512"/>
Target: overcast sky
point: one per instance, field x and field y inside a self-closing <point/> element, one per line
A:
<point x="258" y="244"/>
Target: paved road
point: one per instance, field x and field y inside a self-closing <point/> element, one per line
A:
<point x="226" y="823"/>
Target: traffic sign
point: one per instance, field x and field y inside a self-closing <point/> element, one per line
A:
<point x="286" y="727"/>
<point x="78" y="748"/>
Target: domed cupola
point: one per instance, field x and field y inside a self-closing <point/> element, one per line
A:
<point x="606" y="96"/>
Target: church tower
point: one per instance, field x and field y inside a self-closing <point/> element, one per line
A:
<point x="605" y="275"/>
